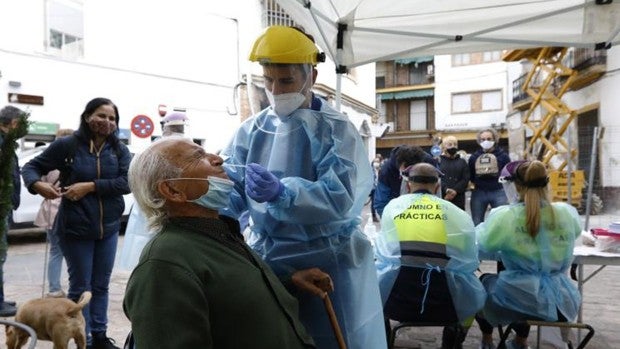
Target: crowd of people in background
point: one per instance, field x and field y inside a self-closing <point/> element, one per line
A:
<point x="297" y="175"/>
<point x="427" y="241"/>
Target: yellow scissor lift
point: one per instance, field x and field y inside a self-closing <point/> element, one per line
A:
<point x="545" y="84"/>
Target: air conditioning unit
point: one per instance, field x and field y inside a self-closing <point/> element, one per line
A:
<point x="430" y="70"/>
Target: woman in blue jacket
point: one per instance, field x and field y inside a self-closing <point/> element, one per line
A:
<point x="93" y="165"/>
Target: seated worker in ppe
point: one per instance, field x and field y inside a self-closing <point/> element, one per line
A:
<point x="534" y="239"/>
<point x="426" y="257"/>
<point x="197" y="284"/>
<point x="390" y="183"/>
<point x="301" y="169"/>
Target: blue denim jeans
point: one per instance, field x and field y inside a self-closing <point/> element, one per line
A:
<point x="481" y="199"/>
<point x="90" y="263"/>
<point x="54" y="262"/>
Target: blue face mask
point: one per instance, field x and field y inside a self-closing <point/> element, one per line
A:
<point x="218" y="194"/>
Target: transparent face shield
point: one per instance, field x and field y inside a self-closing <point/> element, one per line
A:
<point x="278" y="120"/>
<point x="283" y="104"/>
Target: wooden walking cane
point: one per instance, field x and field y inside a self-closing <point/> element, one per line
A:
<point x="334" y="321"/>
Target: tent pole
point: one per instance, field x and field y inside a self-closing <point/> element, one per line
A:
<point x="340" y="69"/>
<point x="338" y="90"/>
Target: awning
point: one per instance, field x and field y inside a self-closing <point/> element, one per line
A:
<point x="358" y="32"/>
<point x="412" y="94"/>
<point x="421" y="59"/>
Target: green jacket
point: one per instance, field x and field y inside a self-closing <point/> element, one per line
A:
<point x="198" y="285"/>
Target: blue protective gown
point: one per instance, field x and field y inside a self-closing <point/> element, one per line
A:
<point x="424" y="217"/>
<point x="535" y="281"/>
<point x="319" y="157"/>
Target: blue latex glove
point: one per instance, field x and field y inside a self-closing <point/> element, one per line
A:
<point x="260" y="184"/>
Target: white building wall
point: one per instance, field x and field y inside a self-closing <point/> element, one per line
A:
<point x="358" y="84"/>
<point x="610" y="119"/>
<point x="471" y="78"/>
<point x="183" y="54"/>
<point x="605" y="93"/>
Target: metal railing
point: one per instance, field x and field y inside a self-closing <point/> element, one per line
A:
<point x="583" y="58"/>
<point x="31" y="333"/>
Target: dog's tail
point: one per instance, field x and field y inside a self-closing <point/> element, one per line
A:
<point x="84" y="299"/>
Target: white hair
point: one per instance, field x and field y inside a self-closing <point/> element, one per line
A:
<point x="146" y="171"/>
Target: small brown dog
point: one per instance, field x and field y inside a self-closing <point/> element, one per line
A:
<point x="53" y="319"/>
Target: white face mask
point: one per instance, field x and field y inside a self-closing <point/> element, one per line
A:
<point x="486" y="145"/>
<point x="286" y="103"/>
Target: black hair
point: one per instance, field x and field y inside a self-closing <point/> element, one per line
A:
<point x="90" y="108"/>
<point x="409" y="155"/>
<point x="8" y="114"/>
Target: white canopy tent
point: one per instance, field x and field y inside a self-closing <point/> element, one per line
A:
<point x="357" y="32"/>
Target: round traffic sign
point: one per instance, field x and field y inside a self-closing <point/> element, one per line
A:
<point x="142" y="126"/>
<point x="435" y="151"/>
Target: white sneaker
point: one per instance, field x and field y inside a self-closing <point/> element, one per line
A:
<point x="56" y="294"/>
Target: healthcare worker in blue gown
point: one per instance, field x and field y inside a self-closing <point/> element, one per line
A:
<point x="302" y="171"/>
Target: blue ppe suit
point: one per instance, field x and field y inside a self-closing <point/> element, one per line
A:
<point x="426" y="229"/>
<point x="323" y="165"/>
<point x="535" y="281"/>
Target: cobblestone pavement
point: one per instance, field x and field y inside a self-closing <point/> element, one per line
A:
<point x="24" y="276"/>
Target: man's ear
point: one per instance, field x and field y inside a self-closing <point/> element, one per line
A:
<point x="170" y="193"/>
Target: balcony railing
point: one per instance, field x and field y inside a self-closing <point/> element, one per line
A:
<point x="517" y="89"/>
<point x="589" y="64"/>
<point x="583" y="58"/>
<point x="519" y="95"/>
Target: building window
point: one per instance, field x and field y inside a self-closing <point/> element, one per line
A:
<point x="381" y="106"/>
<point x="460" y="59"/>
<point x="474" y="102"/>
<point x="380" y="82"/>
<point x="476" y="58"/>
<point x="417" y="115"/>
<point x="65" y="28"/>
<point x="492" y="56"/>
<point x="418" y="73"/>
<point x="273" y="14"/>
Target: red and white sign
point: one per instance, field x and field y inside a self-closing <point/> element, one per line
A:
<point x="142" y="126"/>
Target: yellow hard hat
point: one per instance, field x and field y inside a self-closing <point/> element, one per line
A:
<point x="285" y="45"/>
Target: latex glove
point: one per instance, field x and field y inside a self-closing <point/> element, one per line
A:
<point x="260" y="184"/>
<point x="314" y="281"/>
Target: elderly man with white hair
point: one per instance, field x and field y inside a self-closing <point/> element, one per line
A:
<point x="197" y="284"/>
<point x="137" y="233"/>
